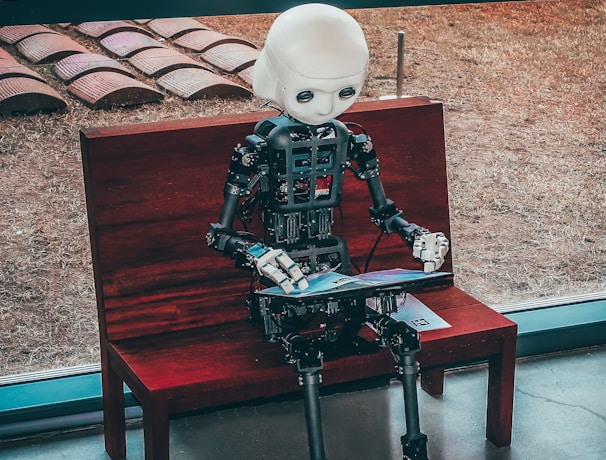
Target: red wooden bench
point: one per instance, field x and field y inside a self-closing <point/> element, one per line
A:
<point x="172" y="315"/>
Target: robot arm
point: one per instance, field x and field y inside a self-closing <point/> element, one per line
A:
<point x="221" y="236"/>
<point x="430" y="248"/>
<point x="278" y="267"/>
<point x="271" y="263"/>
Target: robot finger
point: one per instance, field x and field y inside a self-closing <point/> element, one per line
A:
<point x="441" y="249"/>
<point x="277" y="277"/>
<point x="302" y="284"/>
<point x="429" y="267"/>
<point x="431" y="248"/>
<point x="293" y="269"/>
<point x="444" y="245"/>
<point x="417" y="248"/>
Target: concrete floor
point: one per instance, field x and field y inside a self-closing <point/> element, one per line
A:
<point x="560" y="413"/>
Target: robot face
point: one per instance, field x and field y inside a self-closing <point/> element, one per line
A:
<point x="313" y="64"/>
<point x="316" y="101"/>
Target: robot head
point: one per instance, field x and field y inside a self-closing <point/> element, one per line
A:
<point x="313" y="64"/>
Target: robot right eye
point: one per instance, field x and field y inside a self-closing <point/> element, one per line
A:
<point x="348" y="92"/>
<point x="305" y="96"/>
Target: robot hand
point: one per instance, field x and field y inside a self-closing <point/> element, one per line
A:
<point x="431" y="248"/>
<point x="277" y="266"/>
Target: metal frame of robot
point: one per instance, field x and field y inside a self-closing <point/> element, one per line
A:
<point x="249" y="176"/>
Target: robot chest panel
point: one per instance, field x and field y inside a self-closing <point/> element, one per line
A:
<point x="306" y="169"/>
<point x="304" y="179"/>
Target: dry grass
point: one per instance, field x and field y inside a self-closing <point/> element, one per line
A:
<point x="523" y="86"/>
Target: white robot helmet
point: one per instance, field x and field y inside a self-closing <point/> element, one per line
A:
<point x="313" y="63"/>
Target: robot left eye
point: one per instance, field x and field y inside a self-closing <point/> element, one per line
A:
<point x="348" y="92"/>
<point x="305" y="96"/>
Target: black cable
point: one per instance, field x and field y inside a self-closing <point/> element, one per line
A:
<point x="341" y="216"/>
<point x="271" y="105"/>
<point x="351" y="123"/>
<point x="372" y="251"/>
<point x="248" y="236"/>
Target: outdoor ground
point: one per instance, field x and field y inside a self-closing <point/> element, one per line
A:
<point x="524" y="92"/>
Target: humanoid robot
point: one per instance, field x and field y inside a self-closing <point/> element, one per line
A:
<point x="292" y="167"/>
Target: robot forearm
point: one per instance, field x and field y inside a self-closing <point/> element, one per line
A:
<point x="390" y="220"/>
<point x="431" y="248"/>
<point x="383" y="212"/>
<point x="221" y="236"/>
<point x="230" y="243"/>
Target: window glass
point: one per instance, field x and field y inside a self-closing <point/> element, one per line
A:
<point x="522" y="90"/>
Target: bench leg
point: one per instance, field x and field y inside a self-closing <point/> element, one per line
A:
<point x="501" y="370"/>
<point x="114" y="424"/>
<point x="432" y="380"/>
<point x="155" y="430"/>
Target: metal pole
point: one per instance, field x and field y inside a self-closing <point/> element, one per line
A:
<point x="400" y="68"/>
<point x="313" y="416"/>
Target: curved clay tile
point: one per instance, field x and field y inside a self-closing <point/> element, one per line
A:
<point x="10" y="68"/>
<point x="101" y="29"/>
<point x="155" y="62"/>
<point x="45" y="48"/>
<point x="246" y="75"/>
<point x="192" y="83"/>
<point x="231" y="57"/>
<point x="6" y="55"/>
<point x="202" y="40"/>
<point x="18" y="94"/>
<point x="127" y="44"/>
<point x="102" y="90"/>
<point x="174" y="27"/>
<point x="14" y="34"/>
<point x="78" y="65"/>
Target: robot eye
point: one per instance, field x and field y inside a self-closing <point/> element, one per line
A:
<point x="305" y="96"/>
<point x="348" y="92"/>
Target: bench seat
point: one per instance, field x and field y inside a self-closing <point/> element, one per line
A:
<point x="172" y="317"/>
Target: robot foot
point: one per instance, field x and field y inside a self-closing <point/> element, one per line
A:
<point x="414" y="448"/>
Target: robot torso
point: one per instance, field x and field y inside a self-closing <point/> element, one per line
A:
<point x="303" y="167"/>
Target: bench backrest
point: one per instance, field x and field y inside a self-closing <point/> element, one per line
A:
<point x="152" y="190"/>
